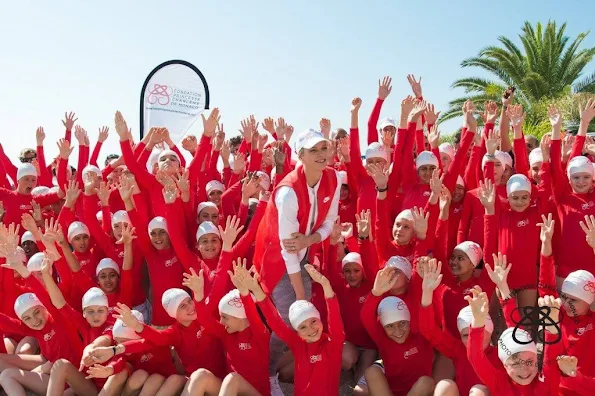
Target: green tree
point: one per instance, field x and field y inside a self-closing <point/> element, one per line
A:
<point x="547" y="67"/>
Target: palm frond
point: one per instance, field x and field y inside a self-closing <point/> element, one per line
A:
<point x="587" y="84"/>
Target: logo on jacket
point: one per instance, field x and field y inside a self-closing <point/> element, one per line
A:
<point x="48" y="336"/>
<point x="315" y="358"/>
<point x="587" y="205"/>
<point x="244" y="346"/>
<point x="362" y="299"/>
<point x="146" y="357"/>
<point x="410" y="352"/>
<point x="199" y="332"/>
<point x="170" y="262"/>
<point x="582" y="330"/>
<point x="523" y="223"/>
<point x="326" y="199"/>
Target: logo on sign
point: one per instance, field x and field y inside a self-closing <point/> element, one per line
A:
<point x="159" y="94"/>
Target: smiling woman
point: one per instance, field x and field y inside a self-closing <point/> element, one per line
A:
<point x="302" y="214"/>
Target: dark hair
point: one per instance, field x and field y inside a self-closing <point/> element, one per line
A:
<point x="111" y="157"/>
<point x="234" y="141"/>
<point x="457" y="138"/>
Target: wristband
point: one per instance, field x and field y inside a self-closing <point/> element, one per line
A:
<point x="385" y="189"/>
<point x="491" y="157"/>
<point x="114" y="349"/>
<point x="361" y="238"/>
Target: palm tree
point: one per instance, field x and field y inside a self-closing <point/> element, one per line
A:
<point x="545" y="67"/>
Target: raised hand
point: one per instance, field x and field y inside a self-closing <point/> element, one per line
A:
<point x="419" y="108"/>
<point x="384" y="87"/>
<point x="80" y="134"/>
<point x="39" y="136"/>
<point x="508" y="96"/>
<point x="316" y="275"/>
<point x="69" y="120"/>
<point x="554" y="314"/>
<point x="516" y="115"/>
<point x="335" y="236"/>
<point x="434" y="136"/>
<point x="240" y="277"/>
<point x="436" y="181"/>
<point x="72" y="193"/>
<point x="128" y="236"/>
<point x="210" y="124"/>
<point x="487" y="196"/>
<point x="247" y="129"/>
<point x="125" y="188"/>
<point x="420" y="222"/>
<point x="415" y="85"/>
<point x="190" y="143"/>
<point x="279" y="155"/>
<point x="103" y="134"/>
<point x="53" y="232"/>
<point x="555" y="118"/>
<point x="170" y="193"/>
<point x="547" y="228"/>
<point x="499" y="274"/>
<point x="281" y="129"/>
<point x="490" y="113"/>
<point x="588" y="227"/>
<point x="431" y="115"/>
<point x="164" y="178"/>
<point x="182" y="182"/>
<point x="385" y="280"/>
<point x="587" y="112"/>
<point x="325" y="126"/>
<point x="493" y="142"/>
<point x="379" y="174"/>
<point x="407" y="106"/>
<point x="250" y="185"/>
<point x="231" y="232"/>
<point x="363" y="223"/>
<point x="356" y="103"/>
<point x="64" y="148"/>
<point x="445" y="199"/>
<point x="239" y="163"/>
<point x="479" y="306"/>
<point x="103" y="193"/>
<point x="219" y="138"/>
<point x="196" y="283"/>
<point x="262" y="141"/>
<point x="28" y="223"/>
<point x="545" y="144"/>
<point x="36" y="211"/>
<point x="388" y="138"/>
<point x="124" y="313"/>
<point x="432" y="276"/>
<point x="269" y="125"/>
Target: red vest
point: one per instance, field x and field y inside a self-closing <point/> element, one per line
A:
<point x="267" y="253"/>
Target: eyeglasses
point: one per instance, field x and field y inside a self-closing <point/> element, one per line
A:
<point x="28" y="159"/>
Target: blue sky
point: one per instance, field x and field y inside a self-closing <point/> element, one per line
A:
<point x="301" y="60"/>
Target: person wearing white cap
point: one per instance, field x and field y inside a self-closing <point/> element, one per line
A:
<point x="241" y="331"/>
<point x="78" y="236"/>
<point x="159" y="233"/>
<point x="108" y="275"/>
<point x="517" y="352"/>
<point x="208" y="211"/>
<point x="535" y="161"/>
<point x="208" y="239"/>
<point x="29" y="244"/>
<point x="91" y="172"/>
<point x="302" y="213"/>
<point x="518" y="190"/>
<point x="406" y="355"/>
<point x="314" y="374"/>
<point x="214" y="190"/>
<point x="119" y="219"/>
<point x="447" y="155"/>
<point x="169" y="160"/>
<point x="466" y="379"/>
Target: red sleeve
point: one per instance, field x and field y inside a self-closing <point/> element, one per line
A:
<point x="395" y="176"/>
<point x="126" y="287"/>
<point x="105" y="172"/>
<point x="226" y="176"/>
<point x="332" y="268"/>
<point x="12" y="326"/>
<point x="256" y="324"/>
<point x="436" y="152"/>
<point x="65" y="218"/>
<point x="61" y="174"/>
<point x="165" y="337"/>
<point x="581" y="384"/>
<point x="547" y="277"/>
<point x="143" y="158"/>
<point x="95" y="154"/>
<point x="560" y="183"/>
<point x="45" y="177"/>
<point x="577" y="146"/>
<point x="243" y="244"/>
<point x="355" y="152"/>
<point x="255" y="161"/>
<point x="334" y="321"/>
<point x="369" y="319"/>
<point x="490" y="236"/>
<point x="373" y="122"/>
<point x="9" y="167"/>
<point x="118" y="364"/>
<point x="99" y="236"/>
<point x="187" y="258"/>
<point x="144" y="242"/>
<point x="207" y="320"/>
<point x="487" y="373"/>
<point x="243" y="213"/>
<point x="138" y="149"/>
<point x="64" y="273"/>
<point x="407" y="165"/>
<point x="488" y="171"/>
<point x="214" y="160"/>
<point x="420" y="143"/>
<point x="82" y="162"/>
<point x="465" y="221"/>
<point x="231" y="198"/>
<point x="78" y="320"/>
<point x="277" y="324"/>
<point x="470" y="177"/>
<point x="68" y="135"/>
<point x="458" y="162"/>
<point x="369" y="259"/>
<point x="106" y="221"/>
<point x="144" y="179"/>
<point x="220" y="282"/>
<point x="382" y="236"/>
<point x="441" y="340"/>
<point x="82" y="280"/>
<point x="440" y="251"/>
<point x="521" y="158"/>
<point x="511" y="313"/>
<point x="47" y="199"/>
<point x="4" y="183"/>
<point x="204" y="147"/>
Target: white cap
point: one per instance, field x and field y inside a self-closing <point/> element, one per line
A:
<point x="376" y="150"/>
<point x="166" y="153"/>
<point x="77" y="228"/>
<point x="265" y="180"/>
<point x="26" y="170"/>
<point x="535" y="156"/>
<point x="40" y="190"/>
<point x="214" y="185"/>
<point x="152" y="160"/>
<point x="472" y="250"/>
<point x="465" y="318"/>
<point x="503" y="157"/>
<point x="580" y="284"/>
<point x="231" y="304"/>
<point x="460" y="181"/>
<point x="91" y="169"/>
<point x="392" y="309"/>
<point x="121" y="216"/>
<point x="447" y="149"/>
<point x="207" y="204"/>
<point x="302" y="310"/>
<point x="579" y="164"/>
<point x="308" y="139"/>
<point x="95" y="296"/>
<point x="171" y="300"/>
<point x="24" y="302"/>
<point x="352" y="257"/>
<point x="343" y="177"/>
<point x="518" y="182"/>
<point x="158" y="222"/>
<point x="507" y="346"/>
<point x="99" y="216"/>
<point x="387" y="122"/>
<point x="106" y="263"/>
<point x="426" y="158"/>
<point x="120" y="330"/>
<point x="406" y="214"/>
<point x="207" y="227"/>
<point x="35" y="262"/>
<point x="400" y="263"/>
<point x="27" y="236"/>
<point x="54" y="190"/>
